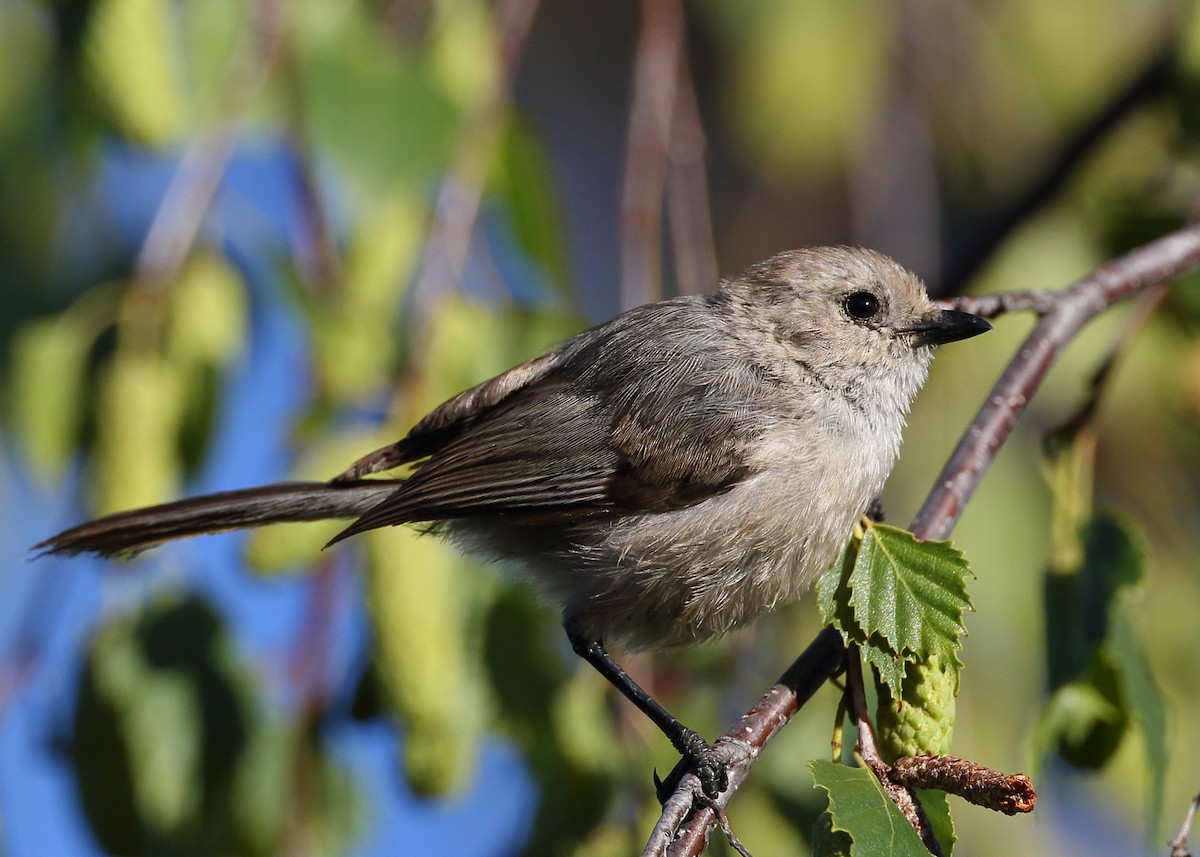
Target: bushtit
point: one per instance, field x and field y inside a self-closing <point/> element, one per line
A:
<point x="664" y="477"/>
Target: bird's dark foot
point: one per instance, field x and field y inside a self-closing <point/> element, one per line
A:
<point x="700" y="759"/>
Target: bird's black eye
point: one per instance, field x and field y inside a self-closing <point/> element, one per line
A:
<point x="861" y="305"/>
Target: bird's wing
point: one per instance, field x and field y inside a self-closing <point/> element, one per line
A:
<point x="556" y="451"/>
<point x="448" y="419"/>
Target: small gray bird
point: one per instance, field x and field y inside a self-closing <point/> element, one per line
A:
<point x="664" y="477"/>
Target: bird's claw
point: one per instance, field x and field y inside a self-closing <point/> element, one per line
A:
<point x="709" y="766"/>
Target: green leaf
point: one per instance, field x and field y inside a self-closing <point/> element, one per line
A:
<point x="49" y="369"/>
<point x="859" y="807"/>
<point x="937" y="809"/>
<point x="132" y="63"/>
<point x="1144" y="701"/>
<point x="1084" y="720"/>
<point x="912" y="593"/>
<point x="899" y="599"/>
<point x="524" y="182"/>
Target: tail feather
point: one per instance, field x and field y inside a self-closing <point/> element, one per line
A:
<point x="127" y="533"/>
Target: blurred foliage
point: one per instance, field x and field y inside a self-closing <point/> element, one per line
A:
<point x="397" y="123"/>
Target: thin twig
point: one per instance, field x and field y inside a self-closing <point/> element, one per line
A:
<point x="1118" y="280"/>
<point x="460" y="196"/>
<point x="651" y="111"/>
<point x="1070" y="310"/>
<point x="1179" y="846"/>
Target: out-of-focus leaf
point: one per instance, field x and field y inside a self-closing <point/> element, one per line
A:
<point x="858" y="806"/>
<point x="523" y="180"/>
<point x="49" y="368"/>
<point x="160" y="724"/>
<point x="133" y="66"/>
<point x="26" y="43"/>
<point x="406" y="136"/>
<point x="528" y="676"/>
<point x="1084" y="720"/>
<point x="762" y="828"/>
<point x="583" y="726"/>
<point x="1144" y="701"/>
<point x="207" y="321"/>
<point x="462" y="52"/>
<point x="290" y="792"/>
<point x="417" y="599"/>
<point x="138" y="413"/>
<point x="355" y="329"/>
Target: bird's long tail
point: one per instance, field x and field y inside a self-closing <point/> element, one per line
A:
<point x="130" y="532"/>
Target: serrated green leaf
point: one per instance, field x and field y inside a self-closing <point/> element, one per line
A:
<point x="859" y="807"/>
<point x="890" y="667"/>
<point x="910" y="593"/>
<point x="1144" y="701"/>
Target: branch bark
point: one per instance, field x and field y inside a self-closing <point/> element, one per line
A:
<point x="681" y="831"/>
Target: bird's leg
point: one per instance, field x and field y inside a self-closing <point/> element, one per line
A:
<point x="707" y="764"/>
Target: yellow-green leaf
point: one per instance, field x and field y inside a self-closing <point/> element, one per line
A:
<point x="138" y="409"/>
<point x="132" y="64"/>
<point x="417" y="599"/>
<point x="207" y="321"/>
<point x="49" y="364"/>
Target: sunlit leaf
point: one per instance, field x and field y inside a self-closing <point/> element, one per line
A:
<point x="138" y="414"/>
<point x="49" y="369"/>
<point x="159" y="728"/>
<point x="417" y="602"/>
<point x="207" y="321"/>
<point x="911" y="593"/>
<point x="133" y="65"/>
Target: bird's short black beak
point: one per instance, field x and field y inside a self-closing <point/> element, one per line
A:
<point x="948" y="325"/>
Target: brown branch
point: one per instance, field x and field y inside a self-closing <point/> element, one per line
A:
<point x="1065" y="314"/>
<point x="656" y="81"/>
<point x="680" y="832"/>
<point x="1122" y="278"/>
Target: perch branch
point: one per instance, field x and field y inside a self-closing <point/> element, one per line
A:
<point x="1063" y="315"/>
